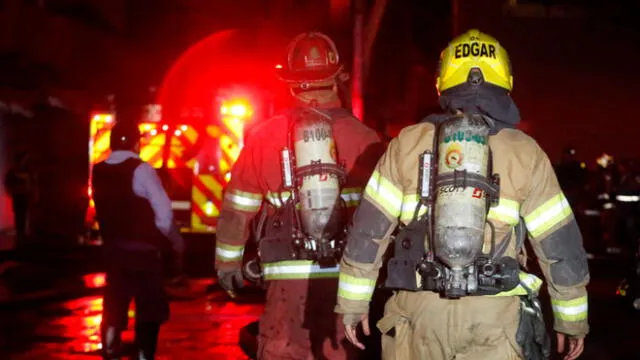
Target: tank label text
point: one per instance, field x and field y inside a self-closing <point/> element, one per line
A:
<point x="460" y="136"/>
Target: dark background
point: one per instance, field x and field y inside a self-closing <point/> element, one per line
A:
<point x="575" y="68"/>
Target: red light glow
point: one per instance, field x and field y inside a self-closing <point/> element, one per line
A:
<point x="95" y="281"/>
<point x="239" y="108"/>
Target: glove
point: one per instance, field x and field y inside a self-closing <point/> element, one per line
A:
<point x="230" y="280"/>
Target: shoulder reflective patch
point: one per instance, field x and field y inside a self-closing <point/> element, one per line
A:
<point x="548" y="215"/>
<point x="570" y="310"/>
<point x="563" y="248"/>
<point x="368" y="224"/>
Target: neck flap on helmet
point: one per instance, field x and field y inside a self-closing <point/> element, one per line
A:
<point x="478" y="97"/>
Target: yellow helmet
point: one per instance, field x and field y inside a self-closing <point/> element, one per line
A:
<point x="474" y="50"/>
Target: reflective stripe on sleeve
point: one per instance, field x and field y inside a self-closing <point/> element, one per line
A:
<point x="226" y="252"/>
<point x="297" y="269"/>
<point x="507" y="211"/>
<point x="549" y="214"/>
<point x="277" y="199"/>
<point x="570" y="310"/>
<point x="409" y="205"/>
<point x="351" y="196"/>
<point x="244" y="201"/>
<point x="353" y="288"/>
<point x="531" y="281"/>
<point x="385" y="194"/>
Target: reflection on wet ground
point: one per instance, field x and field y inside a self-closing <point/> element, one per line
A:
<point x="204" y="328"/>
<point x="207" y="327"/>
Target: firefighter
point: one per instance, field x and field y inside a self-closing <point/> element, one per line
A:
<point x="136" y="224"/>
<point x="484" y="307"/>
<point x="298" y="321"/>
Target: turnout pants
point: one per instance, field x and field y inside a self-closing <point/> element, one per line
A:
<point x="421" y="325"/>
<point x="299" y="322"/>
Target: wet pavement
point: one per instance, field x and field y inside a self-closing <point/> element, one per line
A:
<point x="205" y="328"/>
<point x="208" y="326"/>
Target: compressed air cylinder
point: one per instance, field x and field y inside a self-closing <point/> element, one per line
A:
<point x="319" y="193"/>
<point x="460" y="212"/>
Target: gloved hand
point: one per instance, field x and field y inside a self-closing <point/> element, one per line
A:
<point x="230" y="280"/>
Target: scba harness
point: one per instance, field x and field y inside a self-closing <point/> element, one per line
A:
<point x="309" y="224"/>
<point x="441" y="249"/>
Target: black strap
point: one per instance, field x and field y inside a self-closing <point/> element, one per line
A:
<point x="463" y="179"/>
<point x="322" y="168"/>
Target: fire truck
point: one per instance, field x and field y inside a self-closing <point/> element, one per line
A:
<point x="194" y="129"/>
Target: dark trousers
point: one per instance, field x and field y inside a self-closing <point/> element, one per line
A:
<point x="144" y="286"/>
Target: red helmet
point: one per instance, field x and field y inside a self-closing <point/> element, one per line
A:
<point x="311" y="57"/>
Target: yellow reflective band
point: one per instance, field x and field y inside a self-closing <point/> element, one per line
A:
<point x="507" y="211"/>
<point x="276" y="199"/>
<point x="385" y="194"/>
<point x="297" y="269"/>
<point x="244" y="201"/>
<point x="353" y="288"/>
<point x="226" y="252"/>
<point x="409" y="205"/>
<point x="570" y="310"/>
<point x="351" y="196"/>
<point x="548" y="215"/>
<point x="529" y="280"/>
